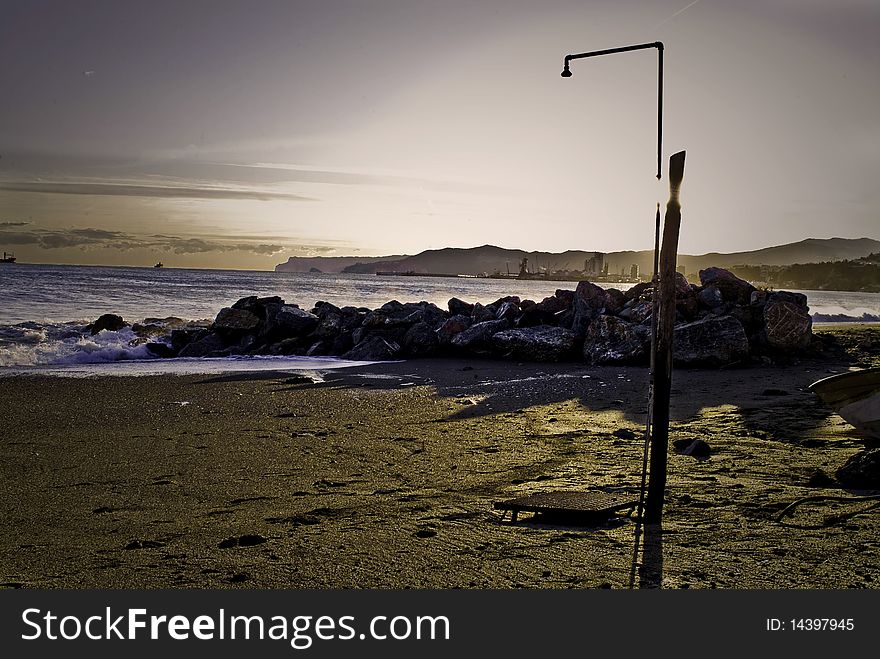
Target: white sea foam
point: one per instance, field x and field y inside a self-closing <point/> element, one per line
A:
<point x="310" y="367"/>
<point x="70" y="350"/>
<point x="31" y="344"/>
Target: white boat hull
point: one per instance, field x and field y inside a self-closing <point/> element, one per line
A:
<point x="855" y="396"/>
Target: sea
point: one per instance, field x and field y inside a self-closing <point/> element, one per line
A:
<point x="44" y="310"/>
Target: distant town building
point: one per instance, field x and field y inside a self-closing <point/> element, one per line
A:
<point x="595" y="264"/>
<point x="634" y="271"/>
<point x="605" y="268"/>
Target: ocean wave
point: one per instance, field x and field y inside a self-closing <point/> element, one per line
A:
<point x="70" y="350"/>
<point x="35" y="344"/>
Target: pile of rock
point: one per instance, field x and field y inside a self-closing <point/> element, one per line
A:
<point x="724" y="320"/>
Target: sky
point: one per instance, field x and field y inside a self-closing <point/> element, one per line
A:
<point x="233" y="134"/>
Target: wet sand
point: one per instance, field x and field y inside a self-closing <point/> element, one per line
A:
<point x="384" y="477"/>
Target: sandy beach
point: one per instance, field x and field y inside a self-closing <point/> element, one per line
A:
<point x="385" y="477"/>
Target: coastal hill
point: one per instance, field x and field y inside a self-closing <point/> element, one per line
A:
<point x="489" y="259"/>
<point x="333" y="264"/>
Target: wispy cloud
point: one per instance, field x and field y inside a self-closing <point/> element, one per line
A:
<point x="90" y="238"/>
<point x="161" y="191"/>
<point x="198" y="177"/>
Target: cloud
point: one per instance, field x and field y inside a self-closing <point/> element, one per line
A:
<point x="199" y="246"/>
<point x="59" y="239"/>
<point x="90" y="238"/>
<point x="97" y="234"/>
<point x="18" y="238"/>
<point x="161" y="191"/>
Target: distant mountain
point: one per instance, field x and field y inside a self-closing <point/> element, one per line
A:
<point x="477" y="260"/>
<point x="489" y="259"/>
<point x="331" y="264"/>
<point x="811" y="250"/>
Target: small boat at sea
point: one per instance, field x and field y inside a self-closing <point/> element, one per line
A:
<point x="855" y="396"/>
<point x="159" y="265"/>
<point x="8" y="258"/>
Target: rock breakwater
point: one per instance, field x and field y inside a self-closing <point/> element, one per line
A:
<point x="723" y="320"/>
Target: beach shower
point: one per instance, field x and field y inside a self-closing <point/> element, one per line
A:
<point x="566" y="73"/>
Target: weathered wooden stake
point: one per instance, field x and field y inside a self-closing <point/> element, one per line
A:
<point x="662" y="348"/>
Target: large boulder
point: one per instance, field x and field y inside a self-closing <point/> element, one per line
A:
<point x="710" y="297"/>
<point x="614" y="300"/>
<point x="611" y="340"/>
<point x="477" y="336"/>
<point x="683" y="287"/>
<point x="566" y="296"/>
<point x="452" y="327"/>
<point x="687" y="309"/>
<point x="481" y="313"/>
<point x="534" y="315"/>
<point x="540" y="344"/>
<point x="507" y="298"/>
<point x="336" y="326"/>
<point x="752" y="319"/>
<point x="432" y="314"/>
<point x="340" y="344"/>
<point x="247" y="303"/>
<point x="507" y="311"/>
<point x="372" y="349"/>
<point x="637" y="291"/>
<point x="320" y="348"/>
<point x="208" y="344"/>
<point x="420" y="340"/>
<point x="638" y="307"/>
<point x="263" y="308"/>
<point x="297" y="345"/>
<point x="712" y="341"/>
<point x="289" y="320"/>
<point x="640" y="312"/>
<point x="108" y="321"/>
<point x="161" y="350"/>
<point x="230" y="320"/>
<point x="396" y="315"/>
<point x="329" y="323"/>
<point x="554" y="304"/>
<point x="256" y="304"/>
<point x="182" y="337"/>
<point x="394" y="334"/>
<point x="787" y="321"/>
<point x="589" y="303"/>
<point x="861" y="471"/>
<point x="352" y="318"/>
<point x="686" y="303"/>
<point x="564" y="318"/>
<point x="157" y="326"/>
<point x="459" y="307"/>
<point x="798" y="299"/>
<point x="732" y="288"/>
<point x="321" y="307"/>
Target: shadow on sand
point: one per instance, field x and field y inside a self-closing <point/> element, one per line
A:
<point x="765" y="402"/>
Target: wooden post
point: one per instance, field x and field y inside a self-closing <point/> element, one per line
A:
<point x="662" y="355"/>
